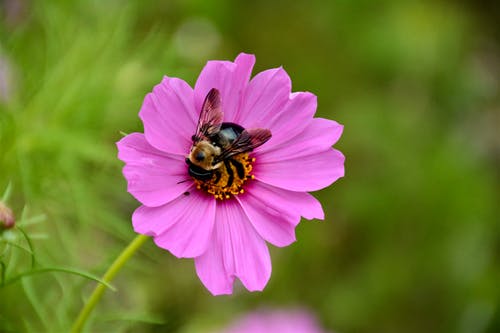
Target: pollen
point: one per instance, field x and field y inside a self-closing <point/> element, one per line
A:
<point x="228" y="180"/>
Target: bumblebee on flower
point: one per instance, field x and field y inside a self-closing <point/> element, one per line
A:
<point x="226" y="166"/>
<point x="218" y="161"/>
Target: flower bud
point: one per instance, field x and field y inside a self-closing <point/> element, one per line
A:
<point x="7" y="219"/>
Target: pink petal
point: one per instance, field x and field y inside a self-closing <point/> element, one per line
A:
<point x="302" y="173"/>
<point x="152" y="176"/>
<point x="265" y="97"/>
<point x="169" y="116"/>
<point x="318" y="135"/>
<point x="183" y="226"/>
<point x="211" y="270"/>
<point x="230" y="79"/>
<point x="236" y="251"/>
<point x="305" y="162"/>
<point x="296" y="115"/>
<point x="275" y="212"/>
<point x="311" y="208"/>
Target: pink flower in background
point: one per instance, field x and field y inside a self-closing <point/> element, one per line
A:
<point x="279" y="321"/>
<point x="217" y="187"/>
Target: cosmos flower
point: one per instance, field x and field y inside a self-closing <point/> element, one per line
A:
<point x="283" y="321"/>
<point x="217" y="187"/>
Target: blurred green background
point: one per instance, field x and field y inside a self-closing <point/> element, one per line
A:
<point x="411" y="239"/>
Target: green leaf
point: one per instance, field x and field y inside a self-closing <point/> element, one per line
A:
<point x="59" y="269"/>
<point x="7" y="193"/>
<point x="2" y="274"/>
<point x="30" y="244"/>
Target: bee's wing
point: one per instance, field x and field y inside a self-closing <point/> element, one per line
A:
<point x="248" y="140"/>
<point x="210" y="116"/>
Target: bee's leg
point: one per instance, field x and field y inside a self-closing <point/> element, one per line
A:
<point x="229" y="172"/>
<point x="217" y="176"/>
<point x="239" y="168"/>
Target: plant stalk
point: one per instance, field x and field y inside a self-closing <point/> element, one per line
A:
<point x="94" y="299"/>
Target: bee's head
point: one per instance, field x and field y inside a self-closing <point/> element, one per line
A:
<point x="203" y="154"/>
<point x="200" y="155"/>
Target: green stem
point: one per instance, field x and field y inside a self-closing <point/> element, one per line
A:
<point x="108" y="276"/>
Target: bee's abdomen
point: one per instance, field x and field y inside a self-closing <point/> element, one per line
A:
<point x="240" y="170"/>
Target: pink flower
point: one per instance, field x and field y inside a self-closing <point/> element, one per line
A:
<point x="282" y="321"/>
<point x="225" y="228"/>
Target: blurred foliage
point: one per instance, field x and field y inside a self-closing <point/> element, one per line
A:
<point x="411" y="241"/>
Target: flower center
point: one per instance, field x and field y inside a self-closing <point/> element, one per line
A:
<point x="229" y="178"/>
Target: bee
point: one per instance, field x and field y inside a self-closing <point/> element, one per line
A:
<point x="215" y="143"/>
